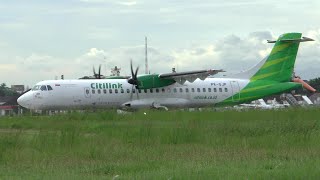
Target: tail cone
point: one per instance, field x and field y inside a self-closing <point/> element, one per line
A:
<point x="305" y="85"/>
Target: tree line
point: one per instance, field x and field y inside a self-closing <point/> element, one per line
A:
<point x="315" y="83"/>
<point x="6" y="91"/>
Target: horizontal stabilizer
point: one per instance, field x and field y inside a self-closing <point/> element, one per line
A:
<point x="303" y="39"/>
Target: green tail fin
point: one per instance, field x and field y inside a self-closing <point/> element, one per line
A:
<point x="280" y="62"/>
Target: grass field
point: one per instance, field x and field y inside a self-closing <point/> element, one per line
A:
<point x="162" y="145"/>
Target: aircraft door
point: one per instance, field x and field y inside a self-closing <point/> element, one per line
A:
<point x="235" y="91"/>
<point x="87" y="92"/>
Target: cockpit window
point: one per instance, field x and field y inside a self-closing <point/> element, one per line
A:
<point x="43" y="88"/>
<point x="35" y="88"/>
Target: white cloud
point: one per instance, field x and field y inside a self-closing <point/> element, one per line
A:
<point x="128" y="3"/>
<point x="307" y="65"/>
<point x="34" y="68"/>
<point x="94" y="52"/>
<point x="125" y="3"/>
<point x="7" y="68"/>
<point x="13" y="25"/>
<point x="96" y="33"/>
<point x="232" y="53"/>
<point x="95" y="1"/>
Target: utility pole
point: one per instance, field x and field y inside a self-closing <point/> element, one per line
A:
<point x="146" y="60"/>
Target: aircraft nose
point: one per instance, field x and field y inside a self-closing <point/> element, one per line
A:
<point x="24" y="100"/>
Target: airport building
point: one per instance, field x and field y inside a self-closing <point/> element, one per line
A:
<point x="18" y="88"/>
<point x="8" y="105"/>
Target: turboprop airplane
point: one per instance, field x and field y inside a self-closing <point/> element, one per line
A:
<point x="273" y="75"/>
<point x="261" y="104"/>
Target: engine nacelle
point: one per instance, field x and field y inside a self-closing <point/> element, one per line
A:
<point x="148" y="81"/>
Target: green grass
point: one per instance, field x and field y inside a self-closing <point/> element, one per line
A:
<point x="162" y="145"/>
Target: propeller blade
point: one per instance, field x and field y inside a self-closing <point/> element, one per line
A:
<point x="94" y="72"/>
<point x="137" y="94"/>
<point x="136" y="74"/>
<point x="99" y="72"/>
<point x="25" y="92"/>
<point x="132" y="74"/>
<point x="131" y="93"/>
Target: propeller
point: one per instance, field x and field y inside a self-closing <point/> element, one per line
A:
<point x="134" y="81"/>
<point x="134" y="76"/>
<point x="25" y="92"/>
<point x="97" y="76"/>
<point x="136" y="91"/>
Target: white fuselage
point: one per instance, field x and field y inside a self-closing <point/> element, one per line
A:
<point x="117" y="93"/>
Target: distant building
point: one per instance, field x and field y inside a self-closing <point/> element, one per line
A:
<point x="8" y="105"/>
<point x="115" y="71"/>
<point x="315" y="98"/>
<point x="18" y="88"/>
<point x="7" y="110"/>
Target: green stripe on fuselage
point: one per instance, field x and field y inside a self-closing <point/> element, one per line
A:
<point x="259" y="89"/>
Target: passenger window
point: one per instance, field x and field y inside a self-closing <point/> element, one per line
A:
<point x="226" y="89"/>
<point x="43" y="88"/>
<point x="198" y="89"/>
<point x="99" y="91"/>
<point x="116" y="91"/>
<point x="187" y="90"/>
<point x="157" y="90"/>
<point x="145" y="90"/>
<point x="220" y="89"/>
<point x="49" y="88"/>
<point x="121" y="90"/>
<point x="105" y="91"/>
<point x="110" y="91"/>
<point x="174" y="90"/>
<point x="151" y="90"/>
<point x="93" y="91"/>
<point x="128" y="90"/>
<point x="204" y="89"/>
<point x="209" y="89"/>
<point x="215" y="89"/>
<point x="192" y="89"/>
<point x="163" y="90"/>
<point x="181" y="90"/>
<point x="139" y="90"/>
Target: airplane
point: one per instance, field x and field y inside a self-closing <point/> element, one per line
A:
<point x="95" y="75"/>
<point x="100" y="76"/>
<point x="272" y="75"/>
<point x="261" y="104"/>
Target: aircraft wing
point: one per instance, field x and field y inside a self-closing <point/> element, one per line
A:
<point x="191" y="76"/>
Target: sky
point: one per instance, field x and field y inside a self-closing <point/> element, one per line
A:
<point x="42" y="39"/>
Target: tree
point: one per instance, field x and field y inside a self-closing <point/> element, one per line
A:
<point x="2" y="89"/>
<point x="5" y="91"/>
<point x="315" y="83"/>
